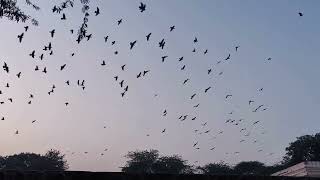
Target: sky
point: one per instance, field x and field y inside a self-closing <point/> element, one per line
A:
<point x="263" y="29"/>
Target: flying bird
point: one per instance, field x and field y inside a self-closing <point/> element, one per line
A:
<point x="103" y="63"/>
<point x="163" y="58"/>
<point x="122" y="67"/>
<point x="251" y="101"/>
<point x="142" y="7"/>
<point x="52" y="32"/>
<point x="185" y="81"/>
<point x="148" y="36"/>
<point x="63" y="17"/>
<point x="97" y="12"/>
<point x="237" y="47"/>
<point x="62" y="67"/>
<point x="229" y="95"/>
<point x="26" y="28"/>
<point x="119" y="22"/>
<point x="300" y="14"/>
<point x="19" y="75"/>
<point x="162" y="43"/>
<point x="172" y="28"/>
<point x="195" y="40"/>
<point x="132" y="44"/>
<point x="228" y="57"/>
<point x="5" y="67"/>
<point x="32" y="54"/>
<point x="20" y="37"/>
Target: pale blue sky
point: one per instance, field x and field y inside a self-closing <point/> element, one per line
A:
<point x="263" y="29"/>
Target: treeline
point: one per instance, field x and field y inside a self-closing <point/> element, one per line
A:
<point x="305" y="148"/>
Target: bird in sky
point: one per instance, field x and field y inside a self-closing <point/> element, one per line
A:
<point x="162" y="43"/>
<point x="251" y="101"/>
<point x="20" y="37"/>
<point x="119" y="21"/>
<point x="32" y="54"/>
<point x="97" y="11"/>
<point x="132" y="44"/>
<point x="142" y="7"/>
<point x="228" y="57"/>
<point x="103" y="63"/>
<point x="5" y="67"/>
<point x="122" y="67"/>
<point x="63" y="17"/>
<point x="172" y="28"/>
<point x="52" y="32"/>
<point x="163" y="58"/>
<point x="164" y="130"/>
<point x="26" y="28"/>
<point x="228" y="95"/>
<point x="148" y="36"/>
<point x="237" y="47"/>
<point x="62" y="67"/>
<point x="300" y="14"/>
<point x="195" y="40"/>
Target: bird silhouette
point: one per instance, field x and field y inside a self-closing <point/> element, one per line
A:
<point x="97" y="11"/>
<point x="126" y="88"/>
<point x="44" y="70"/>
<point x="19" y="75"/>
<point x="116" y="78"/>
<point x="193" y="95"/>
<point x="237" y="47"/>
<point x="185" y="81"/>
<point x="20" y="37"/>
<point x="145" y="72"/>
<point x="62" y="67"/>
<point x="257" y="108"/>
<point x="251" y="101"/>
<point x="121" y="83"/>
<point x="300" y="14"/>
<point x="194" y="118"/>
<point x="106" y="39"/>
<point x="195" y="40"/>
<point x="41" y="57"/>
<point x="142" y="7"/>
<point x="52" y="32"/>
<point x="181" y="58"/>
<point x="209" y="71"/>
<point x="26" y="28"/>
<point x="172" y="28"/>
<point x="5" y="67"/>
<point x="68" y="82"/>
<point x="148" y="36"/>
<point x="164" y="130"/>
<point x="139" y="75"/>
<point x="122" y="67"/>
<point x="163" y="58"/>
<point x="17" y="132"/>
<point x="269" y="59"/>
<point x="162" y="43"/>
<point x="66" y="103"/>
<point x="63" y="17"/>
<point x="194" y="50"/>
<point x="195" y="144"/>
<point x="89" y="37"/>
<point x="132" y="44"/>
<point x="119" y="22"/>
<point x="32" y="54"/>
<point x="228" y="57"/>
<point x="229" y="95"/>
<point x="183" y="67"/>
<point x="164" y="112"/>
<point x="205" y="52"/>
<point x="103" y="63"/>
<point x="36" y="68"/>
<point x="113" y="42"/>
<point x="71" y="31"/>
<point x="256" y="122"/>
<point x="212" y="148"/>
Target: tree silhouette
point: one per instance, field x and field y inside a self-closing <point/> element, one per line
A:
<point x="149" y="162"/>
<point x="305" y="148"/>
<point x="216" y="168"/>
<point x="250" y="168"/>
<point x="52" y="160"/>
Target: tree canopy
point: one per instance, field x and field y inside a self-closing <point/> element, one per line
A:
<point x="53" y="160"/>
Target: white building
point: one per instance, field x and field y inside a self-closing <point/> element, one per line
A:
<point x="304" y="169"/>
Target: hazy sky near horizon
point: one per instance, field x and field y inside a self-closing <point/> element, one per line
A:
<point x="262" y="29"/>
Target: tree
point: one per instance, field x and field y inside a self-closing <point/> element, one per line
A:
<point x="140" y="161"/>
<point x="250" y="168"/>
<point x="216" y="168"/>
<point x="149" y="162"/>
<point x="52" y="160"/>
<point x="305" y="148"/>
<point x="171" y="165"/>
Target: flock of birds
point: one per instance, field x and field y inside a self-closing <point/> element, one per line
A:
<point x="48" y="50"/>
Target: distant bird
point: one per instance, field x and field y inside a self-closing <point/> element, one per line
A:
<point x="148" y="36"/>
<point x="103" y="63"/>
<point x="116" y="78"/>
<point x="132" y="44"/>
<point x="66" y="103"/>
<point x="41" y="57"/>
<point x="5" y="67"/>
<point x="163" y="58"/>
<point x="212" y="148"/>
<point x="183" y="67"/>
<point x="229" y="95"/>
<point x="52" y="32"/>
<point x="172" y="28"/>
<point x="123" y="93"/>
<point x="26" y="28"/>
<point x="32" y="54"/>
<point x="204" y="124"/>
<point x="269" y="59"/>
<point x="145" y="72"/>
<point x="121" y="83"/>
<point x="33" y="121"/>
<point x="44" y="70"/>
<point x="261" y="89"/>
<point x="251" y="101"/>
<point x="181" y="58"/>
<point x="122" y="67"/>
<point x="162" y="43"/>
<point x="164" y="130"/>
<point x="72" y="54"/>
<point x="207" y="131"/>
<point x="242" y="140"/>
<point x="194" y="118"/>
<point x="300" y="14"/>
<point x="116" y="52"/>
<point x="68" y="82"/>
<point x="113" y="42"/>
<point x="10" y="99"/>
<point x="185" y="81"/>
<point x="142" y="7"/>
<point x="36" y="68"/>
<point x="119" y="22"/>
<point x="195" y="40"/>
<point x="89" y="37"/>
<point x="205" y="52"/>
<point x="17" y="132"/>
<point x="194" y="50"/>
<point x="164" y="112"/>
<point x="139" y="75"/>
<point x="228" y="57"/>
<point x="106" y="39"/>
<point x="97" y="12"/>
<point x="195" y="144"/>
<point x="19" y="75"/>
<point x="209" y="71"/>
<point x="257" y="108"/>
<point x="62" y="67"/>
<point x="20" y="37"/>
<point x="71" y="30"/>
<point x="237" y="47"/>
<point x="126" y="88"/>
<point x="193" y="95"/>
<point x="256" y="122"/>
<point x="63" y="17"/>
